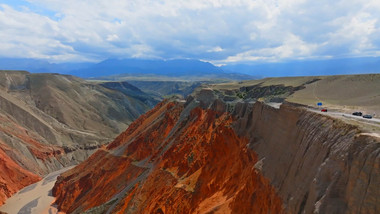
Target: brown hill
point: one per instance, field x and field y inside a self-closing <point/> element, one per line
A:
<point x="49" y="121"/>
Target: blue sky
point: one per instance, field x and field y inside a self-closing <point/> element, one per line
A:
<point x="219" y="31"/>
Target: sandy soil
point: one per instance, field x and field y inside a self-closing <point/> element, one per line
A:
<point x="36" y="198"/>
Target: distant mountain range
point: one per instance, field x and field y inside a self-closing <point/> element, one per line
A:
<point x="185" y="69"/>
<point x="362" y="65"/>
<point x="115" y="69"/>
<point x="40" y="66"/>
<point x="157" y="67"/>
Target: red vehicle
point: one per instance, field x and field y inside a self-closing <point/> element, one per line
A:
<point x="324" y="110"/>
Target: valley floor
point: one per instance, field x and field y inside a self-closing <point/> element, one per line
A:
<point x="36" y="198"/>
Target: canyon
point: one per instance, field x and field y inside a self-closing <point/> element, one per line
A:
<point x="51" y="121"/>
<point x="257" y="146"/>
<point x="218" y="153"/>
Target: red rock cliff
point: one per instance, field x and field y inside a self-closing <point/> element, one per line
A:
<point x="170" y="162"/>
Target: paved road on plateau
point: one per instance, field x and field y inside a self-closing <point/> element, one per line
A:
<point x="373" y="121"/>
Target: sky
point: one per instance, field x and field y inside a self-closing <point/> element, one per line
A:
<point x="218" y="31"/>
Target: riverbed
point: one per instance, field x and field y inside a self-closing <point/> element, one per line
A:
<point x="36" y="198"/>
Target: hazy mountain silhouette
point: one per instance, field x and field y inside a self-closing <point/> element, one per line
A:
<point x="196" y="68"/>
<point x="309" y="68"/>
<point x="114" y="67"/>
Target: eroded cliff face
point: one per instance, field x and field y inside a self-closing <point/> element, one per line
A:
<point x="316" y="163"/>
<point x="212" y="156"/>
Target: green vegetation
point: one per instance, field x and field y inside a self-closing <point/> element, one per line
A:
<point x="241" y="95"/>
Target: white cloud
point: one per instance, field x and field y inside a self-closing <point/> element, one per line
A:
<point x="355" y="32"/>
<point x="26" y="34"/>
<point x="216" y="49"/>
<point x="215" y="30"/>
<point x="112" y="37"/>
<point x="292" y="48"/>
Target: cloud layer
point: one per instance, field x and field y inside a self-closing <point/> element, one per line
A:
<point x="220" y="31"/>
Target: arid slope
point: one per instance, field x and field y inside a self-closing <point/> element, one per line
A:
<point x="49" y="121"/>
<point x="346" y="93"/>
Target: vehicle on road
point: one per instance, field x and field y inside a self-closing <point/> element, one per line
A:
<point x="324" y="110"/>
<point x="367" y="116"/>
<point x="358" y="113"/>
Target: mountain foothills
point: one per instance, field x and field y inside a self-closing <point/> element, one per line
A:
<point x="50" y="121"/>
<point x="234" y="148"/>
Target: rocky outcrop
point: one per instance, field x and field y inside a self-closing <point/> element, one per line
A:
<point x="211" y="156"/>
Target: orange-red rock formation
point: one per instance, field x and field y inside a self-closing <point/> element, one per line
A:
<point x="168" y="163"/>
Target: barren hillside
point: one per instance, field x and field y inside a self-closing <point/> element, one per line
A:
<point x="48" y="121"/>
